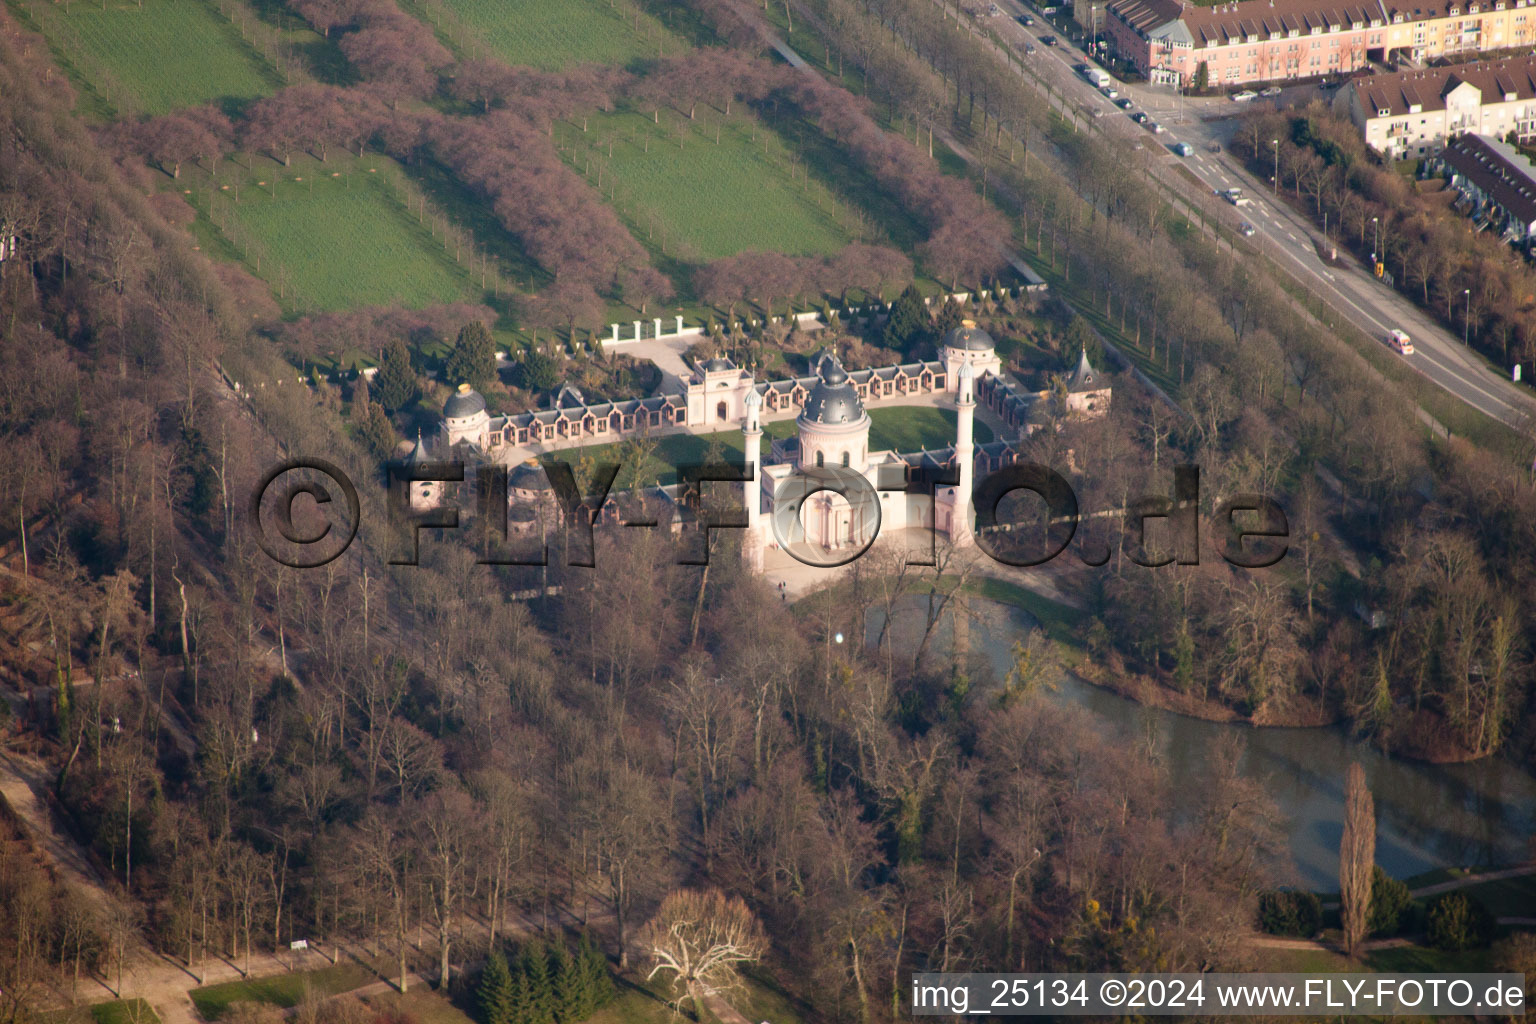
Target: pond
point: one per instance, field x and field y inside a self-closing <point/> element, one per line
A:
<point x="1427" y="816"/>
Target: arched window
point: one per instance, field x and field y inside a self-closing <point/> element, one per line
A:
<point x="845" y="458"/>
<point x="821" y="459"/>
<point x="720" y="411"/>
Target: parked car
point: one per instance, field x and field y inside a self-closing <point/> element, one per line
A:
<point x="1246" y="229"/>
<point x="1271" y="92"/>
<point x="1124" y="103"/>
<point x="1182" y="148"/>
<point x="1097" y="112"/>
<point x="1400" y="342"/>
<point x="1047" y="40"/>
<point x="1026" y="20"/>
<point x="1029" y="48"/>
<point x="1157" y="129"/>
<point x="1140" y="117"/>
<point x="1244" y="96"/>
<point x="1214" y="147"/>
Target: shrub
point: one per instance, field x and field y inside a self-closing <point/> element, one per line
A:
<point x="1284" y="912"/>
<point x="1389" y="898"/>
<point x="1456" y="921"/>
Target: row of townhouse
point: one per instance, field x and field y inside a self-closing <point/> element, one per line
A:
<point x="1496" y="185"/>
<point x="1249" y="41"/>
<point x="1411" y="114"/>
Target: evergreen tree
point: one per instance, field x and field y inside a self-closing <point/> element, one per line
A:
<point x="534" y="961"/>
<point x="568" y="985"/>
<point x="395" y="383"/>
<point x="909" y="322"/>
<point x="375" y="431"/>
<point x="597" y="982"/>
<point x="950" y="316"/>
<point x="519" y="1010"/>
<point x="495" y="994"/>
<point x="540" y="372"/>
<point x="473" y="358"/>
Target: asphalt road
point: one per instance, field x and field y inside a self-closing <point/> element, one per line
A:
<point x="1279" y="231"/>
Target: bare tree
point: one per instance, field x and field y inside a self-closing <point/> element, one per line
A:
<point x="1357" y="856"/>
<point x="699" y="938"/>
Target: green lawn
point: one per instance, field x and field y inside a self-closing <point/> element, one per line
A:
<point x="156" y="56"/>
<point x="556" y="34"/>
<point x="419" y="1004"/>
<point x="282" y="990"/>
<point x="1507" y="897"/>
<point x="699" y="199"/>
<point x="915" y="428"/>
<point x="333" y="236"/>
<point x="114" y="1011"/>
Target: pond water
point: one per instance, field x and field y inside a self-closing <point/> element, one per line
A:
<point x="1427" y="816"/>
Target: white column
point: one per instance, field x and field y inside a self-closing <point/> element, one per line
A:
<point x="752" y="445"/>
<point x="679" y="325"/>
<point x="658" y="327"/>
<point x="637" y="330"/>
<point x="615" y="327"/>
<point x="965" y="453"/>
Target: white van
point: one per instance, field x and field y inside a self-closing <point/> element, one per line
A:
<point x="1400" y="342"/>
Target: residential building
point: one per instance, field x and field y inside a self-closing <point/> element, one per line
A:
<point x="1250" y="41"/>
<point x="1247" y="40"/>
<point x="1497" y="185"/>
<point x="1436" y="28"/>
<point x="1412" y="113"/>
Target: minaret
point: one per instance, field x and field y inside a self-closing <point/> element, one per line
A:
<point x="752" y="446"/>
<point x="965" y="454"/>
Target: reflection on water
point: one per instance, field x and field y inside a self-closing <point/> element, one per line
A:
<point x="1427" y="816"/>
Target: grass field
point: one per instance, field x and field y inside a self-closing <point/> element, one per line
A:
<point x="904" y="428"/>
<point x="154" y="57"/>
<point x="698" y="199"/>
<point x="331" y="235"/>
<point x="556" y="34"/>
<point x="115" y="1011"/>
<point x="282" y="990"/>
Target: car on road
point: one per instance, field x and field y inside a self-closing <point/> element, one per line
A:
<point x="1110" y="91"/>
<point x="1026" y="20"/>
<point x="1029" y="48"/>
<point x="1182" y="148"/>
<point x="1157" y="129"/>
<point x="1400" y="342"/>
<point x="1271" y="92"/>
<point x="1047" y="40"/>
<point x="1140" y="117"/>
<point x="1235" y="197"/>
<point x="1124" y="103"/>
<point x="1244" y="96"/>
<point x="1246" y="229"/>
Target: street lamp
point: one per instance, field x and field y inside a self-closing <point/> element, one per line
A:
<point x="1466" y="321"/>
<point x="1377" y="226"/>
<point x="1276" y="144"/>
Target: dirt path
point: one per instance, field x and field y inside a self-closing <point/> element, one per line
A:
<point x="24" y="785"/>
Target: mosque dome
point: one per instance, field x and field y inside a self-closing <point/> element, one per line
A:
<point x="463" y="403"/>
<point x="969" y="338"/>
<point x="529" y="476"/>
<point x="834" y="401"/>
